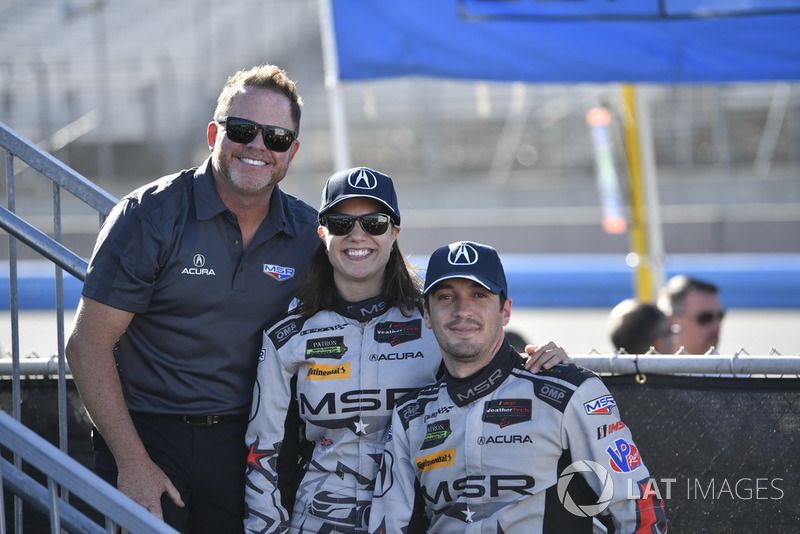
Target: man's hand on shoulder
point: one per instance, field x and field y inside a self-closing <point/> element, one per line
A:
<point x="545" y="357"/>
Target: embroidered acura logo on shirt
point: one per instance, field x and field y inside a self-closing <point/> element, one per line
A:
<point x="279" y="272"/>
<point x="199" y="268"/>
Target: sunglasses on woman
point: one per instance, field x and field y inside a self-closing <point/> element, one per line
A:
<point x="243" y="131"/>
<point x="371" y="223"/>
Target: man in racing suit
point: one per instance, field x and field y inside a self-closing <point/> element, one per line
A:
<point x="351" y="360"/>
<point x="491" y="448"/>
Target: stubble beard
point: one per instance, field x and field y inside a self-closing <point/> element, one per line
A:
<point x="246" y="183"/>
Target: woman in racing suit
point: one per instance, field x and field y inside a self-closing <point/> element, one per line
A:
<point x="339" y="363"/>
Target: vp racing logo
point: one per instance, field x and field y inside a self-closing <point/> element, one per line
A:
<point x="199" y="269"/>
<point x="590" y="470"/>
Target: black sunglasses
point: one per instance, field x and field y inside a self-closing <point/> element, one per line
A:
<point x="371" y="223"/>
<point x="708" y="316"/>
<point x="243" y="131"/>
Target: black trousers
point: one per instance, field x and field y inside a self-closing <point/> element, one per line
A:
<point x="206" y="465"/>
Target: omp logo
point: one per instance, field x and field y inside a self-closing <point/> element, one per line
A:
<point x="464" y="254"/>
<point x="436" y="460"/>
<point x="319" y="371"/>
<point x="278" y="272"/>
<point x="591" y="469"/>
<point x="362" y="179"/>
<point x="199" y="269"/>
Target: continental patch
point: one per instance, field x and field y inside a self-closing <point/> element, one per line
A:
<point x="505" y="412"/>
<point x="436" y="460"/>
<point x="321" y="371"/>
<point x="436" y="433"/>
<point x="326" y="347"/>
<point x="396" y="332"/>
<point x="278" y="272"/>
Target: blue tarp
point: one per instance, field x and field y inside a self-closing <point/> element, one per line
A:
<point x="540" y="280"/>
<point x="564" y="41"/>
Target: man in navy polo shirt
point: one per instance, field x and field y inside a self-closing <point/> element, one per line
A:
<point x="186" y="272"/>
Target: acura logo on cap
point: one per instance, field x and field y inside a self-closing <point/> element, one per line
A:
<point x="463" y="255"/>
<point x="362" y="179"/>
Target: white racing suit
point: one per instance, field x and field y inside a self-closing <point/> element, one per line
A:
<point x="350" y="375"/>
<point x="510" y="452"/>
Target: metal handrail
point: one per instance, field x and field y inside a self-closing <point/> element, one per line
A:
<point x="64" y="470"/>
<point x="56" y="170"/>
<point x="65" y="475"/>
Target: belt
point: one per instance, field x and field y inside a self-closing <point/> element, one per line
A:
<point x="200" y="420"/>
<point x="210" y="420"/>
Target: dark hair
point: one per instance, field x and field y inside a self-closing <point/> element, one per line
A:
<point x="401" y="285"/>
<point x="265" y="76"/>
<point x="673" y="295"/>
<point x="635" y="325"/>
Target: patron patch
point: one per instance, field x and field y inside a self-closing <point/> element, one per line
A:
<point x="395" y="333"/>
<point x="436" y="433"/>
<point x="505" y="412"/>
<point x="326" y="347"/>
<point x="278" y="272"/>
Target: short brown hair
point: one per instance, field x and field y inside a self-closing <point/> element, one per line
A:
<point x="270" y="77"/>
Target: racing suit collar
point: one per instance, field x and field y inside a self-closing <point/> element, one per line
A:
<point x="362" y="311"/>
<point x="463" y="391"/>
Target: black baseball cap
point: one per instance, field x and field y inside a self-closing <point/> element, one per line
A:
<point x="467" y="259"/>
<point x="360" y="182"/>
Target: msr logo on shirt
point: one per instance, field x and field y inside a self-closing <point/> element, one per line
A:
<point x="278" y="272"/>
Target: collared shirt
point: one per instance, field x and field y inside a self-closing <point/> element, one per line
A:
<point x="172" y="253"/>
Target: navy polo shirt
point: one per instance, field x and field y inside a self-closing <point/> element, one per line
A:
<point x="171" y="252"/>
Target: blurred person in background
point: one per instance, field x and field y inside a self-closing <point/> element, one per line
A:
<point x="695" y="311"/>
<point x="636" y="327"/>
